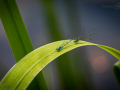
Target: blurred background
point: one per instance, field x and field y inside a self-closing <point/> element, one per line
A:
<point x="84" y="68"/>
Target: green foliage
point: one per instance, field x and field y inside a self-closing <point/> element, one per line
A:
<point x="17" y="35"/>
<point x="22" y="73"/>
<point x="15" y="29"/>
<point x="116" y="69"/>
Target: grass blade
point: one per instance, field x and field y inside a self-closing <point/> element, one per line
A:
<point x="22" y="73"/>
<point x="15" y="29"/>
<point x="16" y="32"/>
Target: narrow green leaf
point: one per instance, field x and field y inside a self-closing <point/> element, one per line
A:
<point x="17" y="35"/>
<point x="112" y="51"/>
<point x="15" y="29"/>
<point x="22" y="73"/>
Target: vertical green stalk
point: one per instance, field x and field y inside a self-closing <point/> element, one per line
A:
<point x="66" y="73"/>
<point x="18" y="36"/>
<point x="74" y="23"/>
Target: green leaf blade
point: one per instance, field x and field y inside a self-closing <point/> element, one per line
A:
<point x="116" y="69"/>
<point x="112" y="51"/>
<point x="20" y="76"/>
<point x="17" y="35"/>
<point x="15" y="29"/>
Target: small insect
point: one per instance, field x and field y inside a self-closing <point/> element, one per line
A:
<point x="83" y="36"/>
<point x="59" y="49"/>
<point x="77" y="39"/>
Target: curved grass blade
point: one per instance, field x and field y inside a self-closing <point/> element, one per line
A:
<point x="22" y="73"/>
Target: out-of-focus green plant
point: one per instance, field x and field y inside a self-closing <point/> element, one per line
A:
<point x="68" y="78"/>
<point x="116" y="69"/>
